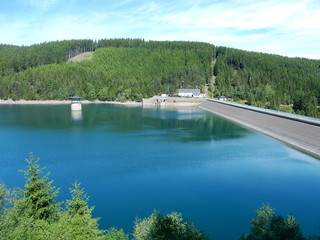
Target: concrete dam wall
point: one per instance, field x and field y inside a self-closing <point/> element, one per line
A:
<point x="297" y="131"/>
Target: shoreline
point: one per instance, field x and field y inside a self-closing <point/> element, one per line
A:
<point x="64" y="102"/>
<point x="61" y="102"/>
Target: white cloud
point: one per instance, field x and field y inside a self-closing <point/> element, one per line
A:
<point x="265" y="26"/>
<point x="223" y="15"/>
<point x="146" y="9"/>
<point x="285" y="27"/>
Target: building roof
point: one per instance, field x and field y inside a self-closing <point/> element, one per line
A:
<point x="75" y="98"/>
<point x="194" y="91"/>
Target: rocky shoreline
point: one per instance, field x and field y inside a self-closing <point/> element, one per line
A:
<point x="181" y="103"/>
<point x="184" y="102"/>
<point x="58" y="102"/>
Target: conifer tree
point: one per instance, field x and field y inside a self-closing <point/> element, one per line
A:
<point x="4" y="195"/>
<point x="79" y="201"/>
<point x="77" y="222"/>
<point x="33" y="207"/>
<point x="115" y="234"/>
<point x="39" y="194"/>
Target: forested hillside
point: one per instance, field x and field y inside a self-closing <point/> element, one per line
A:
<point x="132" y="69"/>
<point x="119" y="72"/>
<point x="268" y="80"/>
<point x="4" y="46"/>
<point x="15" y="59"/>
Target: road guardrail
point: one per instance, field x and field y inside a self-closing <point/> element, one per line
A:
<point x="296" y="117"/>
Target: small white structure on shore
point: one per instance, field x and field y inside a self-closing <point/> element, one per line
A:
<point x="222" y="98"/>
<point x="189" y="92"/>
<point x="75" y="103"/>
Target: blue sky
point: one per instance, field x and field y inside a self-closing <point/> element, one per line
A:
<point x="285" y="27"/>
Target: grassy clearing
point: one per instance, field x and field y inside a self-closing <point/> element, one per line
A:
<point x="82" y="57"/>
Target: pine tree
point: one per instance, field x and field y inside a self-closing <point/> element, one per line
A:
<point x="115" y="234"/>
<point x="77" y="222"/>
<point x="79" y="201"/>
<point x="33" y="207"/>
<point x="39" y="194"/>
<point x="312" y="107"/>
<point x="4" y="195"/>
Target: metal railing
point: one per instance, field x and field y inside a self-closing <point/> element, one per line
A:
<point x="297" y="117"/>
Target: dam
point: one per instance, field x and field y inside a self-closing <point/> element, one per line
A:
<point x="298" y="131"/>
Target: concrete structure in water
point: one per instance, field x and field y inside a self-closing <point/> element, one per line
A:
<point x="298" y="131"/>
<point x="75" y="103"/>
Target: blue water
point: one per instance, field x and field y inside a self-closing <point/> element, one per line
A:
<point x="133" y="160"/>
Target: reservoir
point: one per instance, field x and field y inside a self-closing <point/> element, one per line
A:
<point x="132" y="160"/>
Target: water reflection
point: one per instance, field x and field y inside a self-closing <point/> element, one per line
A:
<point x="76" y="116"/>
<point x="108" y="153"/>
<point x="179" y="124"/>
<point x="181" y="113"/>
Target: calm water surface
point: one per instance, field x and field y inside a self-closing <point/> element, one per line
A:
<point x="133" y="160"/>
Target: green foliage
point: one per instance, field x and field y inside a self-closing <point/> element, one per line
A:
<point x="5" y="46"/>
<point x="132" y="69"/>
<point x="142" y="227"/>
<point x="106" y="94"/>
<point x="267" y="80"/>
<point x="119" y="43"/>
<point x="269" y="226"/>
<point x="35" y="215"/>
<point x="28" y="228"/>
<point x="16" y="59"/>
<point x="91" y="92"/>
<point x="75" y="227"/>
<point x="32" y="206"/>
<point x="76" y="221"/>
<point x="175" y="228"/>
<point x="306" y="105"/>
<point x="115" y="234"/>
<point x="39" y="194"/>
<point x="121" y="69"/>
<point x="172" y="226"/>
<point x="78" y="205"/>
<point x="4" y="197"/>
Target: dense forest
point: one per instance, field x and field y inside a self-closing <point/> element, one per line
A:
<point x="269" y="81"/>
<point x="132" y="69"/>
<point x="33" y="213"/>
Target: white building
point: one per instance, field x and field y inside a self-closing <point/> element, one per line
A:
<point x="222" y="98"/>
<point x="189" y="92"/>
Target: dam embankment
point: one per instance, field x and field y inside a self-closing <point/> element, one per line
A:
<point x="297" y="131"/>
